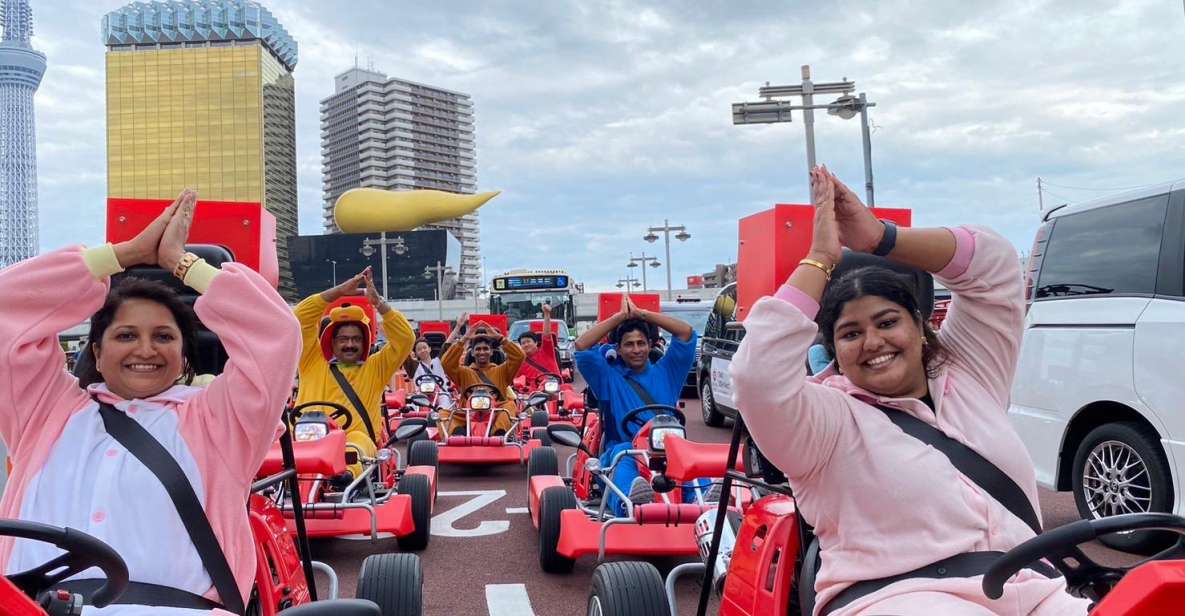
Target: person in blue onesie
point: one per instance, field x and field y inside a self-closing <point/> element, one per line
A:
<point x="632" y="333"/>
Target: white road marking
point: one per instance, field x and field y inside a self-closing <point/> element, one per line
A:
<point x="517" y="510"/>
<point x="442" y="523"/>
<point x="508" y="600"/>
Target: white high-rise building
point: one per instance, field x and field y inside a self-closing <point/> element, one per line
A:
<point x="381" y="132"/>
<point x="21" y="69"/>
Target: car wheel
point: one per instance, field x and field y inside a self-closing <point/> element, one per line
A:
<point x="552" y="503"/>
<point x="394" y="582"/>
<point x="539" y="419"/>
<point x="542" y="435"/>
<point x="1120" y="468"/>
<point x="712" y="416"/>
<point x="418" y="488"/>
<point x="423" y="453"/>
<point x="542" y="461"/>
<point x="627" y="589"/>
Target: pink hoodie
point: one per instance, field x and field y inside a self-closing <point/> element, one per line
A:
<point x="883" y="503"/>
<point x="67" y="470"/>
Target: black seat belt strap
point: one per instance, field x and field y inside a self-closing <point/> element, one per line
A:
<point x="145" y="448"/>
<point x="975" y="467"/>
<point x="639" y="389"/>
<point x="352" y="396"/>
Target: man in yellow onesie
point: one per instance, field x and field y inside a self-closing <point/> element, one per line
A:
<point x="343" y="347"/>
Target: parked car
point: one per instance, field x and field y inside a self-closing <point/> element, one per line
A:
<point x="717" y="346"/>
<point x="1098" y="391"/>
<point x="695" y="313"/>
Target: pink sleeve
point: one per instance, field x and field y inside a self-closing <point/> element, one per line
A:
<point x="795" y="423"/>
<point x="985" y="322"/>
<point x="238" y="413"/>
<point x="39" y="298"/>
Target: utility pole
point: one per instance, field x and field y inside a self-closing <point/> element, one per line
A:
<point x="1040" y="197"/>
<point x="634" y="261"/>
<point x="666" y="229"/>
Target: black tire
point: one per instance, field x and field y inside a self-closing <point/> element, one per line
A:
<point x="1124" y="443"/>
<point x="416" y="486"/>
<point x="542" y="435"/>
<point x="539" y="419"/>
<point x="627" y="588"/>
<point x="542" y="461"/>
<point x="422" y="436"/>
<point x="394" y="582"/>
<point x="553" y="501"/>
<point x="712" y="415"/>
<point x="423" y="453"/>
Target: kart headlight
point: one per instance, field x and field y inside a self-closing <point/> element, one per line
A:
<point x="551" y="386"/>
<point x="658" y="436"/>
<point x="428" y="387"/>
<point x="310" y="431"/>
<point x="593" y="465"/>
<point x="480" y="403"/>
<point x="383" y="455"/>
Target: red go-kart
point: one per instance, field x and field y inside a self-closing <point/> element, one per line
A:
<point x="571" y="511"/>
<point x="551" y="401"/>
<point x="476" y="441"/>
<point x="282" y="577"/>
<point x="384" y="498"/>
<point x="757" y="563"/>
<point x="426" y="394"/>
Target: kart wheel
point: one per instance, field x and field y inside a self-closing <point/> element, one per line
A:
<point x="542" y="435"/>
<point x="539" y="419"/>
<point x="1121" y="468"/>
<point x="542" y="461"/>
<point x="712" y="416"/>
<point x="417" y="487"/>
<point x="394" y="582"/>
<point x="422" y="436"/>
<point x="554" y="500"/>
<point x="423" y="453"/>
<point x="627" y="588"/>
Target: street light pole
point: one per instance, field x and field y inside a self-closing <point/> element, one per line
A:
<point x="634" y="261"/>
<point x="334" y="271"/>
<point x="397" y="244"/>
<point x="440" y="271"/>
<point x="666" y="229"/>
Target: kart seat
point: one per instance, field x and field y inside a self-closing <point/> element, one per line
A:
<point x="671" y="514"/>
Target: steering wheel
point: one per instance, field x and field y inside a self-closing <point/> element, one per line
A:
<point x="634" y="417"/>
<point x="544" y="375"/>
<point x="499" y="396"/>
<point x="1084" y="576"/>
<point x="83" y="551"/>
<point x="338" y="411"/>
<point x="439" y="381"/>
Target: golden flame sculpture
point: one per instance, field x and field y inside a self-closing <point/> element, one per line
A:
<point x="373" y="210"/>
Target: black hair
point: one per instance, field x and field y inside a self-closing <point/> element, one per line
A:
<point x="647" y="328"/>
<point x="480" y="339"/>
<point x="138" y="288"/>
<point x="533" y="336"/>
<point x="884" y="283"/>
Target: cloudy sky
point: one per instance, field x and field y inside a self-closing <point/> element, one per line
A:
<point x="599" y="118"/>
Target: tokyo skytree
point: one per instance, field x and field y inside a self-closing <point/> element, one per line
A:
<point x="21" y="69"/>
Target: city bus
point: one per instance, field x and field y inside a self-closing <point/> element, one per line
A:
<point x="520" y="294"/>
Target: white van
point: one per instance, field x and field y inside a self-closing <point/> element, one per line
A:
<point x="1099" y="393"/>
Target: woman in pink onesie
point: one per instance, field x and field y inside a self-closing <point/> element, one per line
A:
<point x="883" y="503"/>
<point x="68" y="471"/>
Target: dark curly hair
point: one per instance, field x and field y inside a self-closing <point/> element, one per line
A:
<point x="880" y="282"/>
<point x="138" y="288"/>
<point x="648" y="329"/>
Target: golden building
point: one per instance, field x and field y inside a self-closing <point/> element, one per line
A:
<point x="200" y="94"/>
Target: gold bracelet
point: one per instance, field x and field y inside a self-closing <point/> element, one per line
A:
<point x="822" y="267"/>
<point x="187" y="260"/>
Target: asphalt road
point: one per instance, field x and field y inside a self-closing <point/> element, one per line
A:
<point x="482" y="558"/>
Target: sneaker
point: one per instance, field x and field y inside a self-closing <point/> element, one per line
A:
<point x="641" y="492"/>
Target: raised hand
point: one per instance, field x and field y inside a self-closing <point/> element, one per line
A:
<point x="372" y="294"/>
<point x="547" y="310"/>
<point x="825" y="242"/>
<point x="142" y="249"/>
<point x="858" y="227"/>
<point x="347" y="287"/>
<point x="172" y="240"/>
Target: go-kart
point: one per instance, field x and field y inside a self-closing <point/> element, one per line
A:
<point x="571" y="511"/>
<point x="282" y="576"/>
<point x="475" y="442"/>
<point x="756" y="561"/>
<point x="551" y="400"/>
<point x="383" y="498"/>
<point x="425" y="395"/>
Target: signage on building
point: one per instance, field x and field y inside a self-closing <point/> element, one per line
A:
<point x="695" y="282"/>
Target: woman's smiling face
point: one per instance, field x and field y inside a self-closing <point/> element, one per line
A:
<point x="140" y="354"/>
<point x="878" y="346"/>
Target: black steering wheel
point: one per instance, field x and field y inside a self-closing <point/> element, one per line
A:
<point x="439" y="381"/>
<point x="1084" y="577"/>
<point x="547" y="375"/>
<point x="338" y="411"/>
<point x="83" y="551"/>
<point x="499" y="396"/>
<point x="634" y="418"/>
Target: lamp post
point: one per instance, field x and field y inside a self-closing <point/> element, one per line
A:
<point x="397" y="244"/>
<point x="334" y="271"/>
<point x="628" y="282"/>
<point x="440" y="271"/>
<point x="771" y="111"/>
<point x="666" y="229"/>
<point x="634" y="261"/>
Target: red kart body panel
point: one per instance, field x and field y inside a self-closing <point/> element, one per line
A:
<point x="499" y="322"/>
<point x="688" y="460"/>
<point x="580" y="536"/>
<point x="537" y="485"/>
<point x="435" y="327"/>
<point x="1150" y="589"/>
<point x="393" y="516"/>
<point x="761" y="573"/>
<point x="278" y="573"/>
<point x="13" y="602"/>
<point x="395" y="399"/>
<point x="485" y="454"/>
<point x="324" y="456"/>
